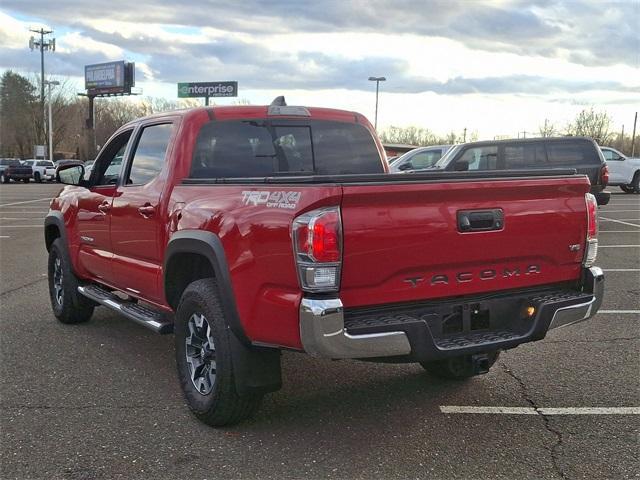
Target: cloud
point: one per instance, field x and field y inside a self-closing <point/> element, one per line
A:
<point x="586" y="31"/>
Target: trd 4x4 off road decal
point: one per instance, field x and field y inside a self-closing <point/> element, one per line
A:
<point x="272" y="199"/>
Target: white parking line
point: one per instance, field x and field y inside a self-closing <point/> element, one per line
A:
<point x="618" y="246"/>
<point x="22" y="218"/>
<point x="22" y="226"/>
<point x="631" y="312"/>
<point x="542" y="410"/>
<point x="28" y="201"/>
<point x="605" y="219"/>
<point x="5" y="236"/>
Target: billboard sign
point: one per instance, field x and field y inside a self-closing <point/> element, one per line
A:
<point x="109" y="77"/>
<point x="207" y="89"/>
<point x="104" y="75"/>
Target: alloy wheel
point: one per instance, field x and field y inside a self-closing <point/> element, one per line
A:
<point x="200" y="354"/>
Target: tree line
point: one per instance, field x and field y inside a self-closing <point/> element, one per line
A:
<point x="22" y="122"/>
<point x="22" y="125"/>
<point x="588" y="123"/>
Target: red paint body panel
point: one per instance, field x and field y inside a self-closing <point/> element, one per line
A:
<point x="391" y="231"/>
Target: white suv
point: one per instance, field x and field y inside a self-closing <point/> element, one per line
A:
<point x="623" y="171"/>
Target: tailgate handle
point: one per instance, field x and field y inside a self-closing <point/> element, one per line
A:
<point x="480" y="220"/>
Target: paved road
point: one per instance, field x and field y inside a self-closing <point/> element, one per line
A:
<point x="101" y="401"/>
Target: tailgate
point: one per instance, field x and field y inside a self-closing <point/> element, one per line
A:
<point x="402" y="242"/>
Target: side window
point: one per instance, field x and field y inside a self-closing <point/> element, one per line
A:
<point x="420" y="160"/>
<point x="610" y="155"/>
<point x="572" y="153"/>
<point x="426" y="159"/>
<point x="530" y="155"/>
<point x="108" y="166"/>
<point x="481" y="158"/>
<point x="150" y="153"/>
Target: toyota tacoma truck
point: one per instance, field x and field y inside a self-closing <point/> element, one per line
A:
<point x="248" y="230"/>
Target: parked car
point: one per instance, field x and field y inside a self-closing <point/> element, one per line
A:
<point x="17" y="171"/>
<point x="419" y="158"/>
<point x="623" y="171"/>
<point x="244" y="238"/>
<point x="4" y="163"/>
<point x="39" y="168"/>
<point x="579" y="153"/>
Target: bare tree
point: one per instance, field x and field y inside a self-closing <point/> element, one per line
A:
<point x="547" y="129"/>
<point x="590" y="123"/>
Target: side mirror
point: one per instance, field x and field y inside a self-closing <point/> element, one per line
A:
<point x="461" y="166"/>
<point x="71" y="174"/>
<point x="406" y="166"/>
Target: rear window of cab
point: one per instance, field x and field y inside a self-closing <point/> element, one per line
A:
<point x="264" y="148"/>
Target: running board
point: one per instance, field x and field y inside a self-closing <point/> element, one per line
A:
<point x="145" y="316"/>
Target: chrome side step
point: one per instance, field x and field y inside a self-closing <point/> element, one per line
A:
<point x="145" y="316"/>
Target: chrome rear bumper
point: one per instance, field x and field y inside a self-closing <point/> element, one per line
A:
<point x="322" y="333"/>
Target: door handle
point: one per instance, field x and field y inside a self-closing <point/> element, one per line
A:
<point x="480" y="220"/>
<point x="104" y="207"/>
<point x="147" y="210"/>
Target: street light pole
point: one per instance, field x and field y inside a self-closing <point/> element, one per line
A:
<point x="49" y="83"/>
<point x="377" y="80"/>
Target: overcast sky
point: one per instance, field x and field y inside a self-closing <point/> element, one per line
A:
<point x="496" y="67"/>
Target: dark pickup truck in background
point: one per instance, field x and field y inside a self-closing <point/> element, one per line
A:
<point x="12" y="169"/>
<point x="246" y="230"/>
<point x="579" y="153"/>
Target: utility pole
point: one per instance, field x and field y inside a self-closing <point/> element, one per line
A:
<point x="42" y="46"/>
<point x="54" y="82"/>
<point x="633" y="137"/>
<point x="622" y="139"/>
<point x="377" y="80"/>
<point x="464" y="135"/>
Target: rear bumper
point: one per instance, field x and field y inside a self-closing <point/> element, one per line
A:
<point x="602" y="197"/>
<point x="19" y="176"/>
<point x="417" y="333"/>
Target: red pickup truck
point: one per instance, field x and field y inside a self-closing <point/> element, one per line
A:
<point x="246" y="230"/>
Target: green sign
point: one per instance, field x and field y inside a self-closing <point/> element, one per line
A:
<point x="207" y="89"/>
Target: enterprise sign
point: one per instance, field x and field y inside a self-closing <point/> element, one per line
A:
<point x="207" y="89"/>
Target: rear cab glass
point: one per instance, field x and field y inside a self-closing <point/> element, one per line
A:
<point x="264" y="148"/>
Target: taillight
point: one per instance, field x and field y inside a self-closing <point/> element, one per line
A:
<point x="317" y="243"/>
<point x="591" y="251"/>
<point x="604" y="175"/>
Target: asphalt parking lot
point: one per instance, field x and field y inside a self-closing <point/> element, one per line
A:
<point x="101" y="400"/>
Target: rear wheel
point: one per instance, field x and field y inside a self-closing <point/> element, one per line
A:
<point x="25" y="180"/>
<point x="37" y="177"/>
<point x="458" y="368"/>
<point x="634" y="186"/>
<point x="67" y="304"/>
<point x="203" y="358"/>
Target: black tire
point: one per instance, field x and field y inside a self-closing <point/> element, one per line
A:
<point x="37" y="178"/>
<point x="67" y="304"/>
<point x="25" y="180"/>
<point x="634" y="186"/>
<point x="214" y="402"/>
<point x="456" y="368"/>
